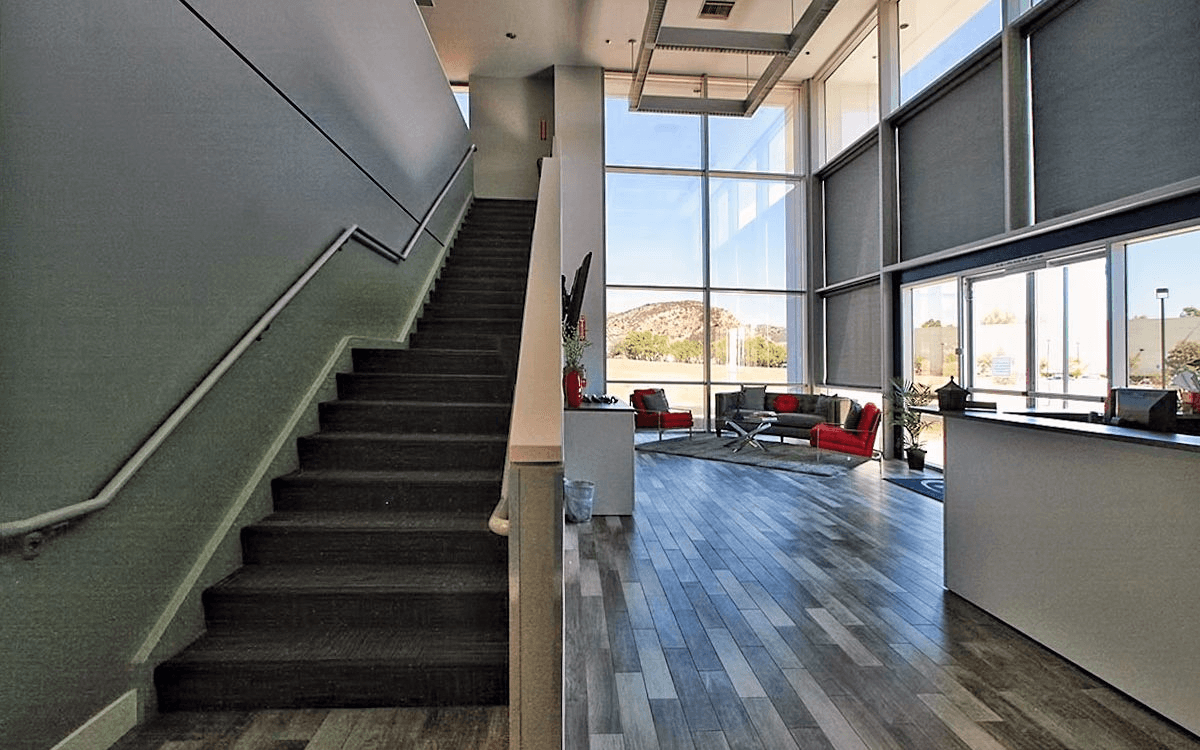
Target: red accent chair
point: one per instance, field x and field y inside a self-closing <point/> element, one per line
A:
<point x="663" y="417"/>
<point x="859" y="441"/>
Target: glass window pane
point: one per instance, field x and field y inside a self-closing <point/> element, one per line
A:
<point x="933" y="325"/>
<point x="762" y="143"/>
<point x="852" y="97"/>
<point x="644" y="139"/>
<point x="749" y="338"/>
<point x="998" y="333"/>
<point x="751" y="244"/>
<point x="654" y="336"/>
<point x="653" y="230"/>
<point x="1071" y="329"/>
<point x="935" y="35"/>
<point x="1168" y="263"/>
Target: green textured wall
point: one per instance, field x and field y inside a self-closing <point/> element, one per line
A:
<point x="157" y="196"/>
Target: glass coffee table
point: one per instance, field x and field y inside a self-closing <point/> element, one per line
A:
<point x="760" y="422"/>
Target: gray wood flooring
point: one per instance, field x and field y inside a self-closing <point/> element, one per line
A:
<point x="742" y="608"/>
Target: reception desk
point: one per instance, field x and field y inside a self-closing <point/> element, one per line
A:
<point x="598" y="447"/>
<point x="1086" y="538"/>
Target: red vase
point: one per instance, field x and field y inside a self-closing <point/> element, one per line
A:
<point x="573" y="388"/>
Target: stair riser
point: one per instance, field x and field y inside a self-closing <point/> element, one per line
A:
<point x="475" y="325"/>
<point x="501" y="344"/>
<point x="467" y="281"/>
<point x="349" y="416"/>
<point x="317" y="453"/>
<point x="426" y="361"/>
<point x="332" y="611"/>
<point x="300" y="493"/>
<point x="239" y="687"/>
<point x="444" y="296"/>
<point x="489" y="255"/>
<point x="501" y="248"/>
<point x="451" y="310"/>
<point x="265" y="545"/>
<point x="422" y="387"/>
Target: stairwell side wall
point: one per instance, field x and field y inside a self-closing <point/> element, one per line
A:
<point x="157" y="196"/>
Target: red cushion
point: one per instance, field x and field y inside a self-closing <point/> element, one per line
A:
<point x="786" y="403"/>
<point x="675" y="419"/>
<point x="637" y="398"/>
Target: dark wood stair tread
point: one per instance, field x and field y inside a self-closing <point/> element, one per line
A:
<point x="365" y="579"/>
<point x="423" y="522"/>
<point x="377" y="647"/>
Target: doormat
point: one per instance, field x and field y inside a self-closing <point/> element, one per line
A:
<point x="934" y="487"/>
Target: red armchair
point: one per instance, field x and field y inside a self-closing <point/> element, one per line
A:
<point x="652" y="410"/>
<point x="860" y="440"/>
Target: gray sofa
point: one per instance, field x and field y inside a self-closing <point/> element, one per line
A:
<point x="811" y="409"/>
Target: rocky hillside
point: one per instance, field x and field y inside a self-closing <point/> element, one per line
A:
<point x="681" y="321"/>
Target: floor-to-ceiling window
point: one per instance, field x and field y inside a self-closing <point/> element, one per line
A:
<point x="704" y="270"/>
<point x="1162" y="311"/>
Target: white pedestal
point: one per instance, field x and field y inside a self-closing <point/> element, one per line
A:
<point x="598" y="447"/>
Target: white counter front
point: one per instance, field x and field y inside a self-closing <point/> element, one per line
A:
<point x="1086" y="541"/>
<point x="598" y="447"/>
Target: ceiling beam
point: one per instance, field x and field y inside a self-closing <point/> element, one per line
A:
<point x="814" y="15"/>
<point x="688" y="105"/>
<point x="645" y="51"/>
<point x="783" y="48"/>
<point x="718" y="40"/>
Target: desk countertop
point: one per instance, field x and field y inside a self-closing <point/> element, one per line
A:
<point x="1170" y="440"/>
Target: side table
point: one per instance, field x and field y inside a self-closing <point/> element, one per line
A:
<point x="762" y="422"/>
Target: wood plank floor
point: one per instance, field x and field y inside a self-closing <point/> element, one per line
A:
<point x="743" y="608"/>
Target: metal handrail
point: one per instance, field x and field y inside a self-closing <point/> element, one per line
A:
<point x="32" y="527"/>
<point x="412" y="241"/>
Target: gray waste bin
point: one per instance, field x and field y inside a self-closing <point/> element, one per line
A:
<point x="578" y="496"/>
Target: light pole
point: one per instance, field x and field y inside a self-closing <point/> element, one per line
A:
<point x="1162" y="293"/>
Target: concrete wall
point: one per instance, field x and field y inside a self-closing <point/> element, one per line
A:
<point x="157" y="196"/>
<point x="579" y="126"/>
<point x="506" y="117"/>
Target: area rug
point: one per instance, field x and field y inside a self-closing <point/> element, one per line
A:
<point x="783" y="456"/>
<point x="934" y="487"/>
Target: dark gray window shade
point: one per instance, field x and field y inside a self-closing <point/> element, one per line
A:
<point x="852" y="218"/>
<point x="1116" y="101"/>
<point x="951" y="157"/>
<point x="852" y="337"/>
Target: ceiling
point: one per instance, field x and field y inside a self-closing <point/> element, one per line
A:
<point x="471" y="36"/>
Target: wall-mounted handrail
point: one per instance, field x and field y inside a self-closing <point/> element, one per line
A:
<point x="31" y="527"/>
<point x="412" y="241"/>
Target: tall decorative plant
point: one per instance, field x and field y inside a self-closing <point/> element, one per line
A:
<point x="905" y="395"/>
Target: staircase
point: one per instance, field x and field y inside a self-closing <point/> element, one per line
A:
<point x="376" y="581"/>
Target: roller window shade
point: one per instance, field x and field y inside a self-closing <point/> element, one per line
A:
<point x="951" y="157"/>
<point x="1116" y="103"/>
<point x="852" y="337"/>
<point x="852" y="218"/>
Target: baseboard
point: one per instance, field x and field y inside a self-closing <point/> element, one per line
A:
<point x="104" y="729"/>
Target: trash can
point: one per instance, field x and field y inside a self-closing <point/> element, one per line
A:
<point x="577" y="500"/>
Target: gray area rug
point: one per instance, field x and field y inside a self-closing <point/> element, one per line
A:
<point x="785" y="456"/>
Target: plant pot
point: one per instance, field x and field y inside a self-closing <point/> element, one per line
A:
<point x="916" y="458"/>
<point x="573" y="388"/>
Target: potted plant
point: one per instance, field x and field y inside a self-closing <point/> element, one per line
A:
<point x="574" y="373"/>
<point x="905" y="396"/>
